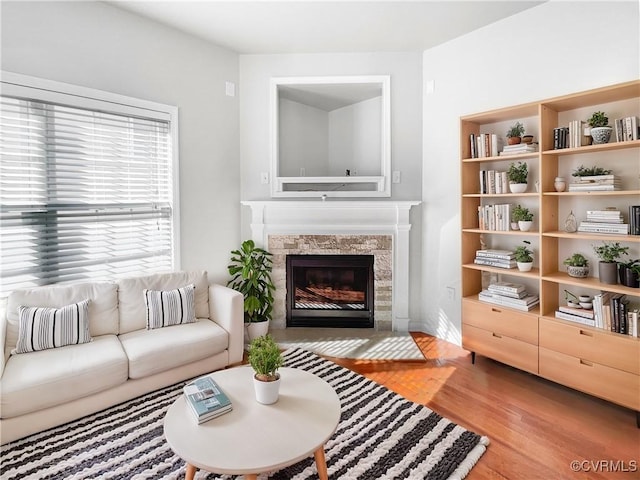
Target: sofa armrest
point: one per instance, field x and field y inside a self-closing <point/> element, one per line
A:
<point x="226" y="308"/>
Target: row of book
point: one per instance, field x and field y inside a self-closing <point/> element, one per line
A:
<point x="609" y="221"/>
<point x="206" y="399"/>
<point x="570" y="137"/>
<point x="611" y="312"/>
<point x="512" y="295"/>
<point x="634" y="219"/>
<point x="626" y="129"/>
<point x="493" y="181"/>
<point x="496" y="258"/>
<point x="485" y="145"/>
<point x="600" y="183"/>
<point x="495" y="217"/>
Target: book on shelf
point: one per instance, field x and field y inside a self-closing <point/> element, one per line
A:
<point x="611" y="228"/>
<point x="206" y="399"/>
<point x="575" y="318"/>
<point x="502" y="254"/>
<point x="626" y="129"/>
<point x="519" y="148"/>
<point x="495" y="262"/>
<point x="592" y="187"/>
<point x="580" y="312"/>
<point x="634" y="219"/>
<point x="507" y="287"/>
<point x="484" y="145"/>
<point x="494" y="217"/>
<point x="524" y="304"/>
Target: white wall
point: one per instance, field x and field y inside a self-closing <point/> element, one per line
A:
<point x="95" y="45"/>
<point x="561" y="47"/>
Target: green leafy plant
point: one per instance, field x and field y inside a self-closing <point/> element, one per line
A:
<point x="517" y="173"/>
<point x="516" y="130"/>
<point x="521" y="214"/>
<point x="583" y="171"/>
<point x="523" y="253"/>
<point x="598" y="119"/>
<point x="610" y="252"/>
<point x="250" y="269"/>
<point x="265" y="358"/>
<point x="577" y="260"/>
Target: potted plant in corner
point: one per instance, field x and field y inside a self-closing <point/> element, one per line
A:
<point x="265" y="358"/>
<point x="609" y="253"/>
<point x="523" y="216"/>
<point x="524" y="256"/>
<point x="577" y="265"/>
<point x="514" y="134"/>
<point x="629" y="272"/>
<point x="250" y="269"/>
<point x="600" y="129"/>
<point x="517" y="175"/>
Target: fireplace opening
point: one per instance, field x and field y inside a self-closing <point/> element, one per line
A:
<point x="330" y="291"/>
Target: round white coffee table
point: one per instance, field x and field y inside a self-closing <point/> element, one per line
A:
<point x="255" y="438"/>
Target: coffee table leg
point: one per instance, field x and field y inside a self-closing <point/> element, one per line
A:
<point x="191" y="472"/>
<point x="321" y="464"/>
<point x="251" y="476"/>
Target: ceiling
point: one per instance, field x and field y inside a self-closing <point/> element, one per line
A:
<point x="304" y="26"/>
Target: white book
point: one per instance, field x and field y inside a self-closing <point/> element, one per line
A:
<point x="495" y="301"/>
<point x="575" y="318"/>
<point x="508" y="286"/>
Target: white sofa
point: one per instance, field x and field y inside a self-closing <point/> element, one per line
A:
<point x="124" y="359"/>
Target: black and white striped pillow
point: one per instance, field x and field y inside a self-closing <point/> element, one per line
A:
<point x="41" y="328"/>
<point x="172" y="307"/>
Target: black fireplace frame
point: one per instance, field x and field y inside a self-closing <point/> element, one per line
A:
<point x="330" y="318"/>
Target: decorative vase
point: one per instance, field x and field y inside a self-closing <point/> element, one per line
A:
<point x="525" y="225"/>
<point x="570" y="224"/>
<point x="515" y="226"/>
<point x="577" y="272"/>
<point x="266" y="392"/>
<point x="518" y="187"/>
<point x="514" y="140"/>
<point x="256" y="329"/>
<point x="559" y="184"/>
<point x="524" y="266"/>
<point x="608" y="273"/>
<point x="601" y="134"/>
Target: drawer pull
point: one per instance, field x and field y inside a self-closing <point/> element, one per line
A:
<point x="496" y="335"/>
<point x="497" y="310"/>
<point x="584" y="362"/>
<point x="586" y="333"/>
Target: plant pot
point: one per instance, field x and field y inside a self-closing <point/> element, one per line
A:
<point x="266" y="392"/>
<point x="577" y="272"/>
<point x="524" y="267"/>
<point x="628" y="277"/>
<point x="601" y="134"/>
<point x="514" y="226"/>
<point x="514" y="140"/>
<point x="256" y="329"/>
<point x="518" y="187"/>
<point x="527" y="139"/>
<point x="608" y="272"/>
<point x="525" y="225"/>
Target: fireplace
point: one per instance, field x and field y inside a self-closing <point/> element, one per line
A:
<point x="330" y="291"/>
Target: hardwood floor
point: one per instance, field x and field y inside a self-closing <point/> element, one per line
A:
<point x="536" y="427"/>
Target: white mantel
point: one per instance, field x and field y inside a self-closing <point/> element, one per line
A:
<point x="337" y="217"/>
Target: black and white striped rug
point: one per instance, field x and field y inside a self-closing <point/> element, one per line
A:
<point x="381" y="435"/>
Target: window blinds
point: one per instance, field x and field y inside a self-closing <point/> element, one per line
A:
<point x="84" y="194"/>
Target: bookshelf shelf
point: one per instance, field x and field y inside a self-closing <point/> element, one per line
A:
<point x="553" y="345"/>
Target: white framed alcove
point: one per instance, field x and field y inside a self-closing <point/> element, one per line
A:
<point x="330" y="136"/>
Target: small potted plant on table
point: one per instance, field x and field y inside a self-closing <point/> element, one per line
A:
<point x="600" y="129"/>
<point x="523" y="216"/>
<point x="609" y="253"/>
<point x="517" y="175"/>
<point x="514" y="134"/>
<point x="524" y="256"/>
<point x="265" y="358"/>
<point x="577" y="265"/>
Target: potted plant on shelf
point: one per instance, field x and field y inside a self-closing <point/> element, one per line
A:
<point x="594" y="171"/>
<point x="517" y="175"/>
<point x="265" y="358"/>
<point x="629" y="273"/>
<point x="250" y="269"/>
<point x="577" y="265"/>
<point x="523" y="216"/>
<point x="514" y="134"/>
<point x="600" y="129"/>
<point x="609" y="253"/>
<point x="524" y="256"/>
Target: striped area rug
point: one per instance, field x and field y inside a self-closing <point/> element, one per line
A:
<point x="381" y="435"/>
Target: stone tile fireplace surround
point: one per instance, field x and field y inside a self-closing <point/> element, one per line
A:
<point x="378" y="228"/>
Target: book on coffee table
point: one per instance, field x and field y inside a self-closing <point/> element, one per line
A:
<point x="206" y="399"/>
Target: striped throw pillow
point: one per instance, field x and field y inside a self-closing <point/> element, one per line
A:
<point x="172" y="307"/>
<point x="41" y="328"/>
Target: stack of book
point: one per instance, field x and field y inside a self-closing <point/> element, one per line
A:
<point x="494" y="217"/>
<point x="496" y="258"/>
<point x="634" y="219"/>
<point x="626" y="129"/>
<point x="519" y="148"/>
<point x="512" y="295"/>
<point x="608" y="221"/>
<point x="578" y="315"/>
<point x="613" y="312"/>
<point x="206" y="399"/>
<point x="600" y="183"/>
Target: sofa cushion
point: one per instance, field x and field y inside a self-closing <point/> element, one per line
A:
<point x="153" y="351"/>
<point x="38" y="380"/>
<point x="133" y="314"/>
<point x="170" y="307"/>
<point x="44" y="327"/>
<point x="103" y="309"/>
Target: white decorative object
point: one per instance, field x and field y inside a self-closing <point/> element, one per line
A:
<point x="267" y="392"/>
<point x="525" y="225"/>
<point x="559" y="184"/>
<point x="515" y="226"/>
<point x="601" y="134"/>
<point x="518" y="187"/>
<point x="570" y="224"/>
<point x="524" y="267"/>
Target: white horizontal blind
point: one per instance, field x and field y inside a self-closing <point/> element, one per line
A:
<point x="84" y="194"/>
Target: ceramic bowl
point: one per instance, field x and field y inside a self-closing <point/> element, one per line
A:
<point x="573" y="304"/>
<point x="584" y="298"/>
<point x="586" y="305"/>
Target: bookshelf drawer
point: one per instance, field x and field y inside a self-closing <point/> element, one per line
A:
<point x="501" y="320"/>
<point x="505" y="349"/>
<point x="605" y="382"/>
<point x="606" y="348"/>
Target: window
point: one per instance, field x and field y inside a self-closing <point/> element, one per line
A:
<point x="86" y="185"/>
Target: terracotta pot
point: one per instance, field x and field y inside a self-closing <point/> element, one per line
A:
<point x="514" y="140"/>
<point x="527" y="139"/>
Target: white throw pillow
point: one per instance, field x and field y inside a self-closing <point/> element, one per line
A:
<point x="41" y="328"/>
<point x="171" y="307"/>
